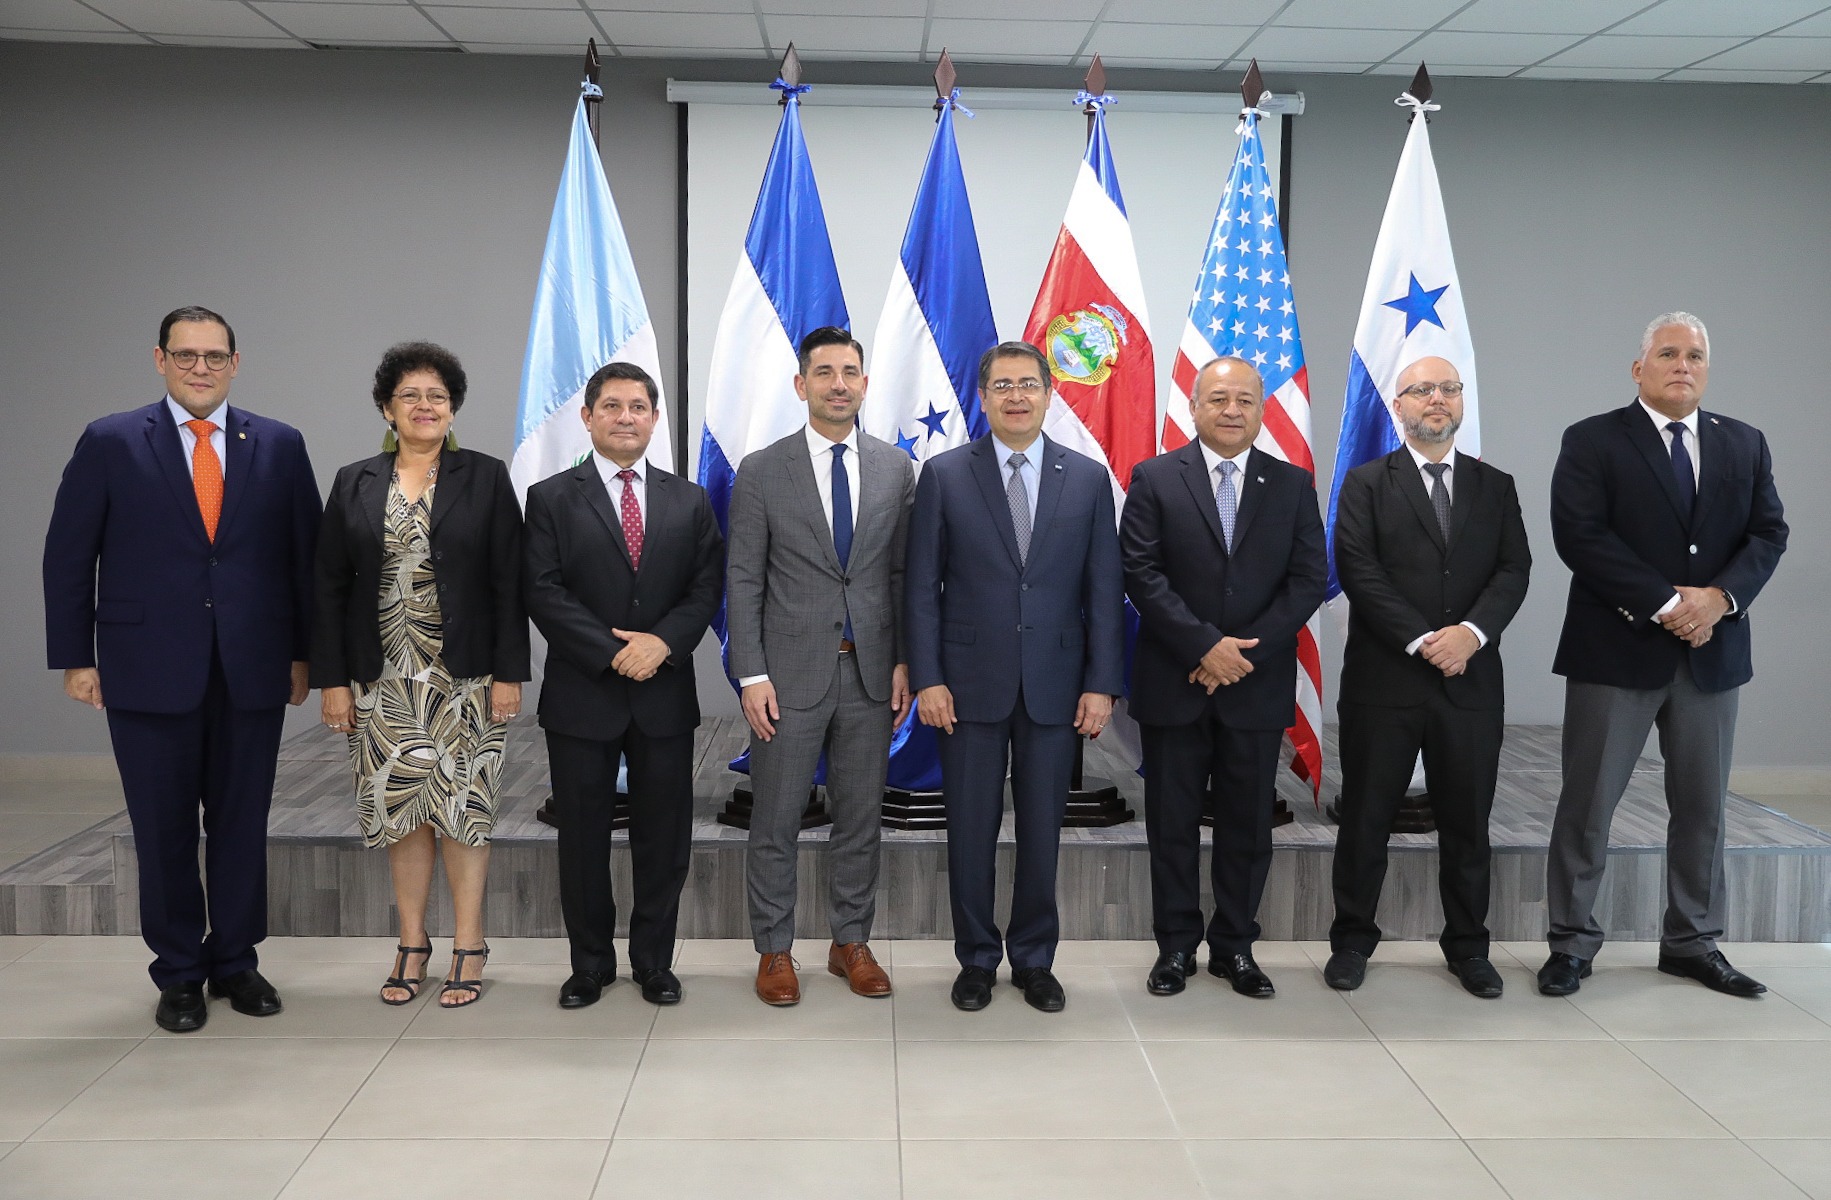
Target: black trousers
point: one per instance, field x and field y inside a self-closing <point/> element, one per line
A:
<point x="584" y="774"/>
<point x="1379" y="747"/>
<point x="219" y="760"/>
<point x="1180" y="762"/>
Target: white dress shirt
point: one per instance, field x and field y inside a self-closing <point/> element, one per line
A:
<point x="607" y="471"/>
<point x="1660" y="421"/>
<point x="1031" y="471"/>
<point x="1214" y="460"/>
<point x="219" y="441"/>
<point x="1449" y="486"/>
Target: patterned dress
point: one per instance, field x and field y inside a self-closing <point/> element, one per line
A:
<point x="424" y="747"/>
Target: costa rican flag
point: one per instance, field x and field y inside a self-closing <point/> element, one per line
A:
<point x="1243" y="306"/>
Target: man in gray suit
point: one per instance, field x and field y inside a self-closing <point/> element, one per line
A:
<point x="814" y="588"/>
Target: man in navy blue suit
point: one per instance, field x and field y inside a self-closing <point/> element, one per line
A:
<point x="1015" y="612"/>
<point x="177" y="580"/>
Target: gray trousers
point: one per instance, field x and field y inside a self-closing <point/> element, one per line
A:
<point x="854" y="731"/>
<point x="1605" y="729"/>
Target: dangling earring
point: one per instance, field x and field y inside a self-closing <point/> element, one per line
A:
<point x="451" y="439"/>
<point x="389" y="443"/>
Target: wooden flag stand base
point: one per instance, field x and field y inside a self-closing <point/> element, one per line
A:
<point x="1414" y="814"/>
<point x="736" y="812"/>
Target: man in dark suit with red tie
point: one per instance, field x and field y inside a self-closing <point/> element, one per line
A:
<point x="1224" y="561"/>
<point x="177" y="580"/>
<point x="623" y="571"/>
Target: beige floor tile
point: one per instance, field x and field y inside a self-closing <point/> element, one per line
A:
<point x="1640" y="1004"/>
<point x="13" y="946"/>
<point x="1282" y="1169"/>
<point x="925" y="1012"/>
<point x="763" y="1089"/>
<point x="523" y="1002"/>
<point x="1550" y="1089"/>
<point x="334" y="1000"/>
<point x="1809" y="988"/>
<point x="228" y="1170"/>
<point x="756" y="1170"/>
<point x="519" y="952"/>
<point x="1424" y="1002"/>
<point x="1032" y="1090"/>
<point x="277" y="952"/>
<point x="1805" y="1161"/>
<point x="1061" y="1170"/>
<point x="1291" y="1090"/>
<point x="1756" y="1089"/>
<point x="44" y="1074"/>
<point x="71" y="948"/>
<point x="721" y="1002"/>
<point x="237" y="1088"/>
<point x="31" y="832"/>
<point x="1631" y="1169"/>
<point x="40" y="999"/>
<point x="1208" y="1009"/>
<point x="1122" y="954"/>
<point x="809" y="953"/>
<point x="551" y="1168"/>
<point x="493" y="1088"/>
<point x="1777" y="954"/>
<point x="1615" y="955"/>
<point x="917" y="952"/>
<point x="1415" y="953"/>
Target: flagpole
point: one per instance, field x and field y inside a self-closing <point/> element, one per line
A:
<point x="594" y="94"/>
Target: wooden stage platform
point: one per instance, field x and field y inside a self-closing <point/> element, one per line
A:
<point x="322" y="882"/>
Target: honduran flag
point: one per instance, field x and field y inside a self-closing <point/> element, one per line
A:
<point x="588" y="311"/>
<point x="1243" y="306"/>
<point x="1412" y="309"/>
<point x="924" y="397"/>
<point x="1089" y="320"/>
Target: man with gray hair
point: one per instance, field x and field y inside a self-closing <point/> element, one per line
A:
<point x="1668" y="519"/>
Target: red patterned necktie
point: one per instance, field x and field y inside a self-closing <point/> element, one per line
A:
<point x="206" y="475"/>
<point x="632" y="517"/>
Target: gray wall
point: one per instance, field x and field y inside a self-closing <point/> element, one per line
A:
<point x="332" y="203"/>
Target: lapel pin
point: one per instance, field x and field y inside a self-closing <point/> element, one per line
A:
<point x="1714" y="421"/>
<point x="242" y="436"/>
<point x="1058" y="466"/>
<point x="1260" y="478"/>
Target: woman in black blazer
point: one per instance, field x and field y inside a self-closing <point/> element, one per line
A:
<point x="420" y="644"/>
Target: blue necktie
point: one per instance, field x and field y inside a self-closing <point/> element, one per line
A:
<point x="842" y="519"/>
<point x="1226" y="503"/>
<point x="1681" y="468"/>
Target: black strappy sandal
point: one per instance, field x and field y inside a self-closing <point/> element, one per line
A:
<point x="399" y="978"/>
<point x="457" y="984"/>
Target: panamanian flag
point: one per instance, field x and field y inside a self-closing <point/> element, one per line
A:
<point x="1412" y="309"/>
<point x="588" y="311"/>
<point x="1243" y="306"/>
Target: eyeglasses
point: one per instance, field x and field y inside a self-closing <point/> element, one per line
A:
<point x="184" y="360"/>
<point x="1022" y="387"/>
<point x="436" y="399"/>
<point x="1422" y="391"/>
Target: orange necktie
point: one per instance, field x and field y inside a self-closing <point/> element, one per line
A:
<point x="206" y="475"/>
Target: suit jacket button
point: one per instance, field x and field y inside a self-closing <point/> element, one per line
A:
<point x="212" y="562"/>
<point x="208" y="603"/>
<point x="1023" y="587"/>
<point x="1446" y="573"/>
<point x="1694" y="549"/>
<point x="635" y="604"/>
<point x="838" y="625"/>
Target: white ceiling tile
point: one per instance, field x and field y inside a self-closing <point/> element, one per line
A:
<point x="1406" y="70"/>
<point x="1025" y="10"/>
<point x="514" y="24"/>
<point x="514" y="4"/>
<point x="876" y="56"/>
<point x="1700" y="75"/>
<point x="240" y="43"/>
<point x="1743" y="18"/>
<point x="1115" y="40"/>
<point x="1616" y="50"/>
<point x="1778" y="54"/>
<point x="1367" y="14"/>
<point x="1544" y="16"/>
<point x="1615" y="73"/>
<point x="865" y="35"/>
<point x="342" y="24"/>
<point x="1326" y="45"/>
<point x="553" y="49"/>
<point x="1299" y="66"/>
<point x="1819" y="26"/>
<point x="1492" y="49"/>
<point x="683" y="31"/>
<point x="54" y="14"/>
<point x="845" y="8"/>
<point x="684" y="8"/>
<point x="114" y="34"/>
<point x="219" y="18"/>
<point x="1006" y="41"/>
<point x="629" y="51"/>
<point x="1160" y="63"/>
<point x="1182" y="12"/>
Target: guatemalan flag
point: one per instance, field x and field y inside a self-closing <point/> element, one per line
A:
<point x="1412" y="309"/>
<point x="785" y="287"/>
<point x="1243" y="306"/>
<point x="588" y="311"/>
<point x="924" y="396"/>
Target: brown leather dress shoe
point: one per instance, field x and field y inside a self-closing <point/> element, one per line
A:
<point x="854" y="963"/>
<point x="776" y="980"/>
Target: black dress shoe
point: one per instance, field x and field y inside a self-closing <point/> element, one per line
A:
<point x="1713" y="971"/>
<point x="248" y="993"/>
<point x="658" y="984"/>
<point x="973" y="988"/>
<point x="1169" y="973"/>
<point x="583" y="988"/>
<point x="1345" y="970"/>
<point x="1562" y="974"/>
<point x="1479" y="978"/>
<point x="182" y="1008"/>
<point x="1243" y="973"/>
<point x="1042" y="991"/>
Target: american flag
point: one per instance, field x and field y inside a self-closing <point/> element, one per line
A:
<point x="1243" y="305"/>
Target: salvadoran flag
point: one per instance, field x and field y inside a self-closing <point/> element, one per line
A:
<point x="1412" y="309"/>
<point x="924" y="395"/>
<point x="588" y="311"/>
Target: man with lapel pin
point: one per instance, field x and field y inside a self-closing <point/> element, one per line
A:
<point x="814" y="585"/>
<point x="624" y="569"/>
<point x="1431" y="551"/>
<point x="1016" y="612"/>
<point x="178" y="582"/>
<point x="1669" y="521"/>
<point x="1224" y="561"/>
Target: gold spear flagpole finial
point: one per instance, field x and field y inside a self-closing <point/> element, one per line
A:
<point x="1252" y="88"/>
<point x="944" y="81"/>
<point x="1420" y="84"/>
<point x="791" y="70"/>
<point x="1095" y="82"/>
<point x="591" y="60"/>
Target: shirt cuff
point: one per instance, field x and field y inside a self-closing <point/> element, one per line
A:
<point x="1475" y="629"/>
<point x="747" y="680"/>
<point x="1411" y="647"/>
<point x="1667" y="607"/>
<point x="1734" y="608"/>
